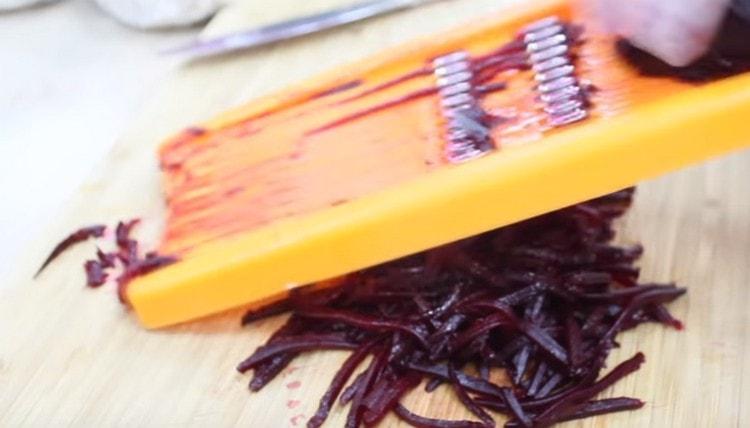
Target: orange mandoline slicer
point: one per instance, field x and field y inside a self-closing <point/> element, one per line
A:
<point x="432" y="142"/>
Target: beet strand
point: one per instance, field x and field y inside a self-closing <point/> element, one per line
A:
<point x="386" y="394"/>
<point x="265" y="372"/>
<point x="577" y="399"/>
<point x="467" y="401"/>
<point x="79" y="235"/>
<point x="604" y="406"/>
<point x="423" y="422"/>
<point x="307" y="343"/>
<point x="515" y="408"/>
<point x="122" y="232"/>
<point x="95" y="275"/>
<point x="351" y="390"/>
<point x="337" y="384"/>
<point x="364" y="322"/>
<point x="373" y="372"/>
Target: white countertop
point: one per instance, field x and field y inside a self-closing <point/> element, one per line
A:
<point x="71" y="79"/>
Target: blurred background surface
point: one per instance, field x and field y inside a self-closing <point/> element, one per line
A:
<point x="71" y="79"/>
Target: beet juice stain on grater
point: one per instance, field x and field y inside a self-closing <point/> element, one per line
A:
<point x="548" y="43"/>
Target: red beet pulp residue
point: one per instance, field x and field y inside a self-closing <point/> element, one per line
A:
<point x="336" y="89"/>
<point x="542" y="300"/>
<point x="127" y="254"/>
<point x="510" y="56"/>
<point x="295" y="420"/>
<point x="375" y="109"/>
<point x="425" y="71"/>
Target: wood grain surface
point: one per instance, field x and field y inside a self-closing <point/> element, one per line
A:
<point x="70" y="356"/>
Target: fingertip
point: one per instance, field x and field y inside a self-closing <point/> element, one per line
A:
<point x="614" y="17"/>
<point x="677" y="36"/>
<point x="674" y="54"/>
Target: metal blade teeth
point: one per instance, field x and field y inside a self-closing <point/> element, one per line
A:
<point x="457" y="100"/>
<point x="468" y="138"/>
<point x="556" y="84"/>
<point x="453" y="79"/>
<point x="561" y="95"/>
<point x="547" y="54"/>
<point x="451" y="58"/>
<point x="540" y="25"/>
<point x="455" y="89"/>
<point x="551" y="63"/>
<point x="543" y="33"/>
<point x="559" y="39"/>
<point x="555" y="73"/>
<point x="548" y="49"/>
<point x="454" y="68"/>
<point x="563" y="107"/>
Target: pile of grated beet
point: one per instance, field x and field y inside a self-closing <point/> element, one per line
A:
<point x="542" y="300"/>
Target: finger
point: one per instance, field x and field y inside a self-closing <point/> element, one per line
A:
<point x="678" y="32"/>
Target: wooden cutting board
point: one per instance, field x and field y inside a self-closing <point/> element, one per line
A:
<point x="73" y="356"/>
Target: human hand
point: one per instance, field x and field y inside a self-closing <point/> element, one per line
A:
<point x="154" y="14"/>
<point x="677" y="31"/>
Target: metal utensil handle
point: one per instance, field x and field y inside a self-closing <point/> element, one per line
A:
<point x="298" y="27"/>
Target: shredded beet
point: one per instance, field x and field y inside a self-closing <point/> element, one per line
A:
<point x="134" y="268"/>
<point x="107" y="260"/>
<point x="422" y="422"/>
<point x="95" y="275"/>
<point x="127" y="254"/>
<point x="128" y="248"/>
<point x="123" y="230"/>
<point x="79" y="235"/>
<point x="542" y="300"/>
